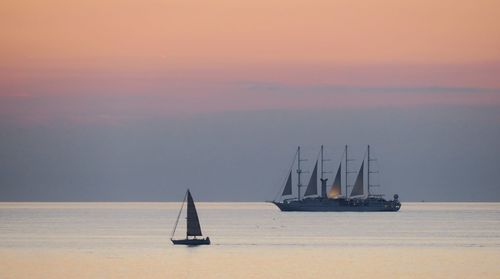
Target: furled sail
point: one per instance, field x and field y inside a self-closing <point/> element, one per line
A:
<point x="312" y="187"/>
<point x="288" y="186"/>
<point x="335" y="191"/>
<point x="193" y="223"/>
<point x="357" y="189"/>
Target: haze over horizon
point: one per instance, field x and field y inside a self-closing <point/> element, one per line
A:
<point x="137" y="100"/>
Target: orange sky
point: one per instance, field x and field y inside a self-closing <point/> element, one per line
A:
<point x="196" y="33"/>
<point x="71" y="47"/>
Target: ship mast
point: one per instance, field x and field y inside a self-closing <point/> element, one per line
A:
<point x="322" y="179"/>
<point x="346" y="172"/>
<point x="322" y="163"/>
<point x="299" y="171"/>
<point x="368" y="173"/>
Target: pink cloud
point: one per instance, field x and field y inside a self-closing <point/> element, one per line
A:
<point x="116" y="97"/>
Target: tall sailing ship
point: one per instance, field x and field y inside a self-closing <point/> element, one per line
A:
<point x="337" y="198"/>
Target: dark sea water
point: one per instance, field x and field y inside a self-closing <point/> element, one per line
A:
<point x="250" y="240"/>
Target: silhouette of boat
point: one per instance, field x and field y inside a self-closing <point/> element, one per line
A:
<point x="193" y="225"/>
<point x="360" y="197"/>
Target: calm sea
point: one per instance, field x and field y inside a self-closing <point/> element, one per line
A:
<point x="250" y="240"/>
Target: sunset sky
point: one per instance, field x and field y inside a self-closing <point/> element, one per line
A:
<point x="216" y="55"/>
<point x="73" y="66"/>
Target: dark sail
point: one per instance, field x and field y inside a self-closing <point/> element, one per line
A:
<point x="335" y="191"/>
<point x="288" y="186"/>
<point x="312" y="187"/>
<point x="357" y="189"/>
<point x="193" y="224"/>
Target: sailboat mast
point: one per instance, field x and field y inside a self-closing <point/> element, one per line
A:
<point x="299" y="171"/>
<point x="346" y="173"/>
<point x="322" y="163"/>
<point x="322" y="179"/>
<point x="368" y="171"/>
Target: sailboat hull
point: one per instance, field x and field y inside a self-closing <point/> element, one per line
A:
<point x="191" y="242"/>
<point x="370" y="204"/>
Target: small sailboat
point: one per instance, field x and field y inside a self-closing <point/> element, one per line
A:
<point x="193" y="225"/>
